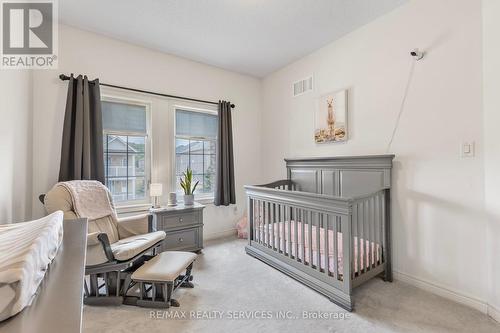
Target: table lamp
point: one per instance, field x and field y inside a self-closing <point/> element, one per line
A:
<point x="156" y="190"/>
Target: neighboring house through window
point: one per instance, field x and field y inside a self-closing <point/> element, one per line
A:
<point x="126" y="150"/>
<point x="195" y="144"/>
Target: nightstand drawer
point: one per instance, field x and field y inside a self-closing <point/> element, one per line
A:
<point x="183" y="226"/>
<point x="178" y="221"/>
<point x="182" y="240"/>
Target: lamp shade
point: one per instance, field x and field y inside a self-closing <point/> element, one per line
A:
<point x="155" y="190"/>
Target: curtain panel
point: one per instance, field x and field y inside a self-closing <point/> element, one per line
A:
<point x="224" y="190"/>
<point x="82" y="141"/>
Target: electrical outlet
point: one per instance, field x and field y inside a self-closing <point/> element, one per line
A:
<point x="467" y="149"/>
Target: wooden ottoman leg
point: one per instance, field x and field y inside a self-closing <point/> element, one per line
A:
<point x="169" y="286"/>
<point x="186" y="279"/>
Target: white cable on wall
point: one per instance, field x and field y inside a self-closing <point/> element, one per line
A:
<point x="417" y="55"/>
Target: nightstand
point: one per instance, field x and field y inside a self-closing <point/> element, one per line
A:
<point x="183" y="226"/>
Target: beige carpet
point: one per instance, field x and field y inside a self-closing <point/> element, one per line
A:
<point x="231" y="284"/>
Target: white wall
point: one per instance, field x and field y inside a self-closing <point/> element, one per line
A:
<point x="123" y="64"/>
<point x="439" y="230"/>
<point x="15" y="145"/>
<point x="491" y="84"/>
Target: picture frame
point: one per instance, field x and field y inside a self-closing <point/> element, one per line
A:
<point x="330" y="119"/>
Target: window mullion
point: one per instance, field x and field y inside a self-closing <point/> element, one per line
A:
<point x="126" y="170"/>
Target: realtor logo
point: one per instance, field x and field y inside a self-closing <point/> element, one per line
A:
<point x="29" y="34"/>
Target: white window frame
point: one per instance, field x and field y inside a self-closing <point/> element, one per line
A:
<point x="195" y="107"/>
<point x="133" y="205"/>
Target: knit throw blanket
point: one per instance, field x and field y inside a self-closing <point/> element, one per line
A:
<point x="90" y="199"/>
<point x="26" y="250"/>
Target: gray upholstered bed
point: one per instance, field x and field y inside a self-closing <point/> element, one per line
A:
<point x="327" y="225"/>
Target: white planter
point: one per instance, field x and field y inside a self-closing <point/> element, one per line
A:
<point x="188" y="199"/>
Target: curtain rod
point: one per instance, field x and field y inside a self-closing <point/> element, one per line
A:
<point x="64" y="77"/>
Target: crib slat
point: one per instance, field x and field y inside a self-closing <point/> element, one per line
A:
<point x="283" y="230"/>
<point x="309" y="220"/>
<point x="361" y="247"/>
<point x="351" y="248"/>
<point x="257" y="221"/>
<point x="277" y="226"/>
<point x="289" y="237"/>
<point x="283" y="225"/>
<point x="384" y="239"/>
<point x="374" y="233"/>
<point x="261" y="220"/>
<point x="377" y="229"/>
<point x="270" y="222"/>
<point x="368" y="217"/>
<point x="318" y="243"/>
<point x="325" y="244"/>
<point x="296" y="233"/>
<point x="355" y="237"/>
<point x="359" y="224"/>
<point x="250" y="219"/>
<point x="365" y="237"/>
<point x="271" y="219"/>
<point x="372" y="228"/>
<point x="280" y="225"/>
<point x="254" y="220"/>
<point x="303" y="235"/>
<point x="369" y="222"/>
<point x="381" y="227"/>
<point x="266" y="222"/>
<point x="335" y="247"/>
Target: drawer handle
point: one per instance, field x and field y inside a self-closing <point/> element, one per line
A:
<point x="180" y="219"/>
<point x="181" y="240"/>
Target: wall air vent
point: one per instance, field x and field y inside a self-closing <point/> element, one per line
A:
<point x="302" y="86"/>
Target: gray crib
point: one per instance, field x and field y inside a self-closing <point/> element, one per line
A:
<point x="327" y="225"/>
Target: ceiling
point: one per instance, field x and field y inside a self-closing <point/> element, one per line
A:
<point x="255" y="37"/>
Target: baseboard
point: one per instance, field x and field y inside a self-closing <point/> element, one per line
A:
<point x="445" y="292"/>
<point x="220" y="234"/>
<point x="493" y="312"/>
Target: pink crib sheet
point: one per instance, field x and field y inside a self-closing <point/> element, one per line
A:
<point x="281" y="242"/>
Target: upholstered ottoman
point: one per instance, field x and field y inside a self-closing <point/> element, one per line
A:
<point x="161" y="276"/>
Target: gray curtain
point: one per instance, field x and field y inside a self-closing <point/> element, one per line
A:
<point x="82" y="146"/>
<point x="224" y="190"/>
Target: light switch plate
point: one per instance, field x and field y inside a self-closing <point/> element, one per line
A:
<point x="467" y="149"/>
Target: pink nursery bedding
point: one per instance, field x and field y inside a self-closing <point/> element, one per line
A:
<point x="372" y="249"/>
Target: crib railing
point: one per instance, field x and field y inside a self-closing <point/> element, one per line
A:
<point x="370" y="232"/>
<point x="328" y="237"/>
<point x="284" y="184"/>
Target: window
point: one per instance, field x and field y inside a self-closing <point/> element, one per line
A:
<point x="125" y="150"/>
<point x="195" y="142"/>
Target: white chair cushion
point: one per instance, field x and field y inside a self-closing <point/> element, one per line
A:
<point x="166" y="266"/>
<point x="129" y="247"/>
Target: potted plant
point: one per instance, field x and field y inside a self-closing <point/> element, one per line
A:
<point x="188" y="187"/>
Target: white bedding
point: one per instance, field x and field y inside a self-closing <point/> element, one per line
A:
<point x="26" y="250"/>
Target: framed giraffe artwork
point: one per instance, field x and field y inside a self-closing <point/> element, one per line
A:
<point x="330" y="121"/>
